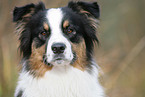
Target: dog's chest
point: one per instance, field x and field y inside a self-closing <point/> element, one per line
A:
<point x="60" y="83"/>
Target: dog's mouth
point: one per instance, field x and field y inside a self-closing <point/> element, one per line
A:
<point x="58" y="57"/>
<point x="45" y="60"/>
<point x="57" y="60"/>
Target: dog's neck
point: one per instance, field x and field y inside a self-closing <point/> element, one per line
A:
<point x="61" y="82"/>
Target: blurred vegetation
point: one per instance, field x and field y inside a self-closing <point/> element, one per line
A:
<point x="121" y="54"/>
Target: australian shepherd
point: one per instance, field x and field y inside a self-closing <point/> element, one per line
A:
<point x="56" y="45"/>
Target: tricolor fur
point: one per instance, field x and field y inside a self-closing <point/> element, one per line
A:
<point x="57" y="46"/>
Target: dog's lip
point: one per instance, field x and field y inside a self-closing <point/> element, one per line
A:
<point x="58" y="59"/>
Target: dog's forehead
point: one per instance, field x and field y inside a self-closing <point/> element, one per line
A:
<point x="54" y="17"/>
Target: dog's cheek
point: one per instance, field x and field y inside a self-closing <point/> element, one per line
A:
<point x="37" y="66"/>
<point x="37" y="53"/>
<point x="81" y="59"/>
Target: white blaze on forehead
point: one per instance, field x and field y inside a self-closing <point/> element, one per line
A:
<point x="54" y="17"/>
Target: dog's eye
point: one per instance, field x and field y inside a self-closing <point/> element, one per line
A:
<point x="43" y="33"/>
<point x="69" y="30"/>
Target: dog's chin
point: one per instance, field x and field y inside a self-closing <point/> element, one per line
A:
<point x="60" y="62"/>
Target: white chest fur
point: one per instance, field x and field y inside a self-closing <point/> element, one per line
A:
<point x="61" y="82"/>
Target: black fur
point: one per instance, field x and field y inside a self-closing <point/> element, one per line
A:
<point x="20" y="94"/>
<point x="92" y="8"/>
<point x="75" y="23"/>
<point x="19" y="12"/>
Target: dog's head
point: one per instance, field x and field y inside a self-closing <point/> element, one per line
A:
<point x="56" y="36"/>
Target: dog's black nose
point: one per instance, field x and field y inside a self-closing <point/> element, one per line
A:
<point x="58" y="48"/>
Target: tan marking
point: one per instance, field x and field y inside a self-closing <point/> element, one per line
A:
<point x="85" y="12"/>
<point x="65" y="24"/>
<point x="38" y="68"/>
<point x="20" y="28"/>
<point x="46" y="27"/>
<point x="94" y="23"/>
<point x="80" y="50"/>
<point x="27" y="16"/>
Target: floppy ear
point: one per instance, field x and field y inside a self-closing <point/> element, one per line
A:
<point x="84" y="8"/>
<point x="24" y="13"/>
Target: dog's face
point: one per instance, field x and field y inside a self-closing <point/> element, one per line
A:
<point x="59" y="49"/>
<point x="57" y="36"/>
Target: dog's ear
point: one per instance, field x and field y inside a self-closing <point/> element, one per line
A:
<point x="24" y="13"/>
<point x="84" y="8"/>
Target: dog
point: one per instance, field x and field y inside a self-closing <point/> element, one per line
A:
<point x="56" y="46"/>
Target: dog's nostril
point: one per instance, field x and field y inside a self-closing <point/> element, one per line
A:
<point x="62" y="48"/>
<point x="54" y="48"/>
<point x="58" y="48"/>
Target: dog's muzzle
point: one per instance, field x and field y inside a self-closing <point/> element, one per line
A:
<point x="58" y="50"/>
<point x="58" y="54"/>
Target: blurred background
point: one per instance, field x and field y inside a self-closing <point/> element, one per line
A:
<point x="121" y="54"/>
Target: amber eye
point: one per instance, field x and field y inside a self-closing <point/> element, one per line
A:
<point x="43" y="33"/>
<point x="69" y="30"/>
